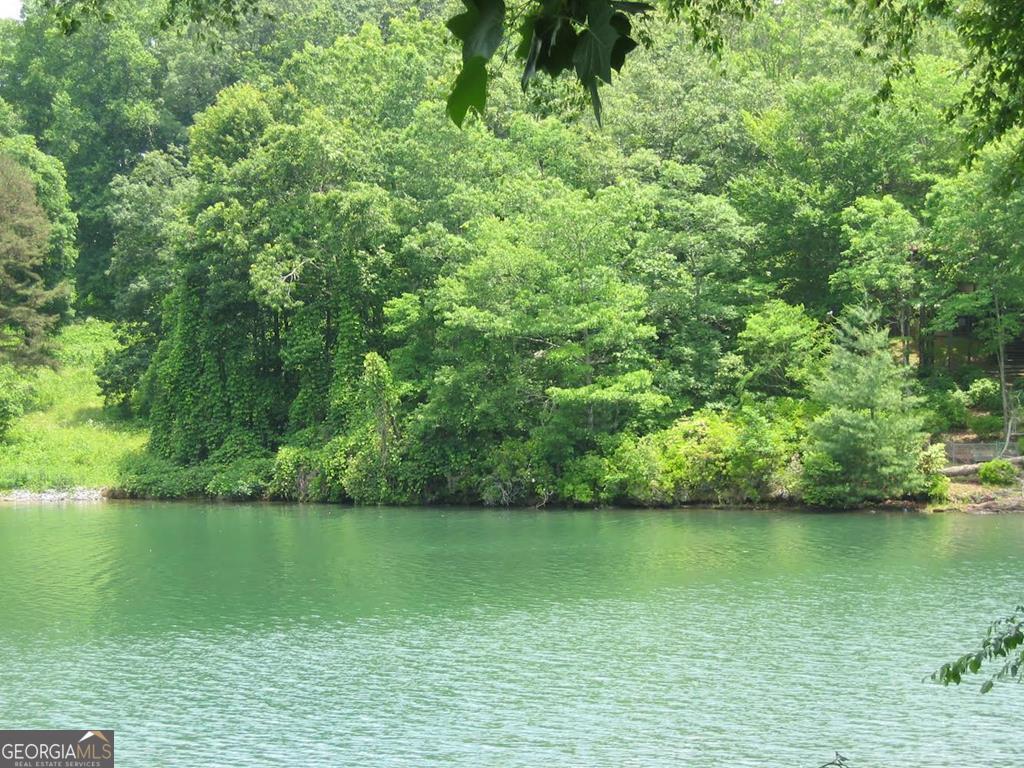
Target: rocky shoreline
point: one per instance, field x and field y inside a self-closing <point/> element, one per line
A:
<point x="976" y="499"/>
<point x="55" y="496"/>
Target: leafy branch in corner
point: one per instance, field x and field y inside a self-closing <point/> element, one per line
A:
<point x="1003" y="642"/>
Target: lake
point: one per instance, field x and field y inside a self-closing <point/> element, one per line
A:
<point x="257" y="635"/>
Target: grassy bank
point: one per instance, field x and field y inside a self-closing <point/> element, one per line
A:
<point x="65" y="439"/>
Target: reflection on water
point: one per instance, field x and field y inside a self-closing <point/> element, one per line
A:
<point x="257" y="635"/>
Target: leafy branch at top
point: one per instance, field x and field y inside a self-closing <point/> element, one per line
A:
<point x="591" y="37"/>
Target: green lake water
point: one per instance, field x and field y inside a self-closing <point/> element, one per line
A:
<point x="246" y="635"/>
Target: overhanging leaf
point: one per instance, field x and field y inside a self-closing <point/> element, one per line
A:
<point x="480" y="28"/>
<point x="593" y="56"/>
<point x="548" y="46"/>
<point x="470" y="90"/>
<point x="624" y="44"/>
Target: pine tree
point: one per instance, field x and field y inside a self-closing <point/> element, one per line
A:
<point x="867" y="443"/>
<point x="27" y="307"/>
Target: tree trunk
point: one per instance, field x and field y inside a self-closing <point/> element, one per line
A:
<point x="1003" y="387"/>
<point x="905" y="336"/>
<point x="964" y="470"/>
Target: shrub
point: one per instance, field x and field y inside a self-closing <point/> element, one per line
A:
<point x="997" y="472"/>
<point x="294" y="474"/>
<point x="938" y="488"/>
<point x="144" y="475"/>
<point x="15" y="393"/>
<point x="583" y="480"/>
<point x="984" y="394"/>
<point x="987" y="426"/>
<point x="515" y="473"/>
<point x="120" y="375"/>
<point x="717" y="456"/>
<point x="947" y="409"/>
<point x="934" y="484"/>
<point x="244" y="478"/>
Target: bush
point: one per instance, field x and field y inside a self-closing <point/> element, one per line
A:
<point x="984" y="394"/>
<point x="997" y="472"/>
<point x="935" y="485"/>
<point x="121" y="376"/>
<point x="987" y="426"/>
<point x="244" y="478"/>
<point x="947" y="408"/>
<point x="292" y="474"/>
<point x="938" y="488"/>
<point x="716" y="456"/>
<point x="15" y="393"/>
<point x="147" y="476"/>
<point x="515" y="473"/>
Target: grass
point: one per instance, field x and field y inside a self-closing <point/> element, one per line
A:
<point x="65" y="439"/>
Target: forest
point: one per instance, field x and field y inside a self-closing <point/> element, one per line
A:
<point x="780" y="271"/>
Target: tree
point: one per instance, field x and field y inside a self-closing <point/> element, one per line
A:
<point x="25" y="303"/>
<point x="692" y="257"/>
<point x="883" y="261"/>
<point x="50" y="181"/>
<point x="978" y="232"/>
<point x="123" y="86"/>
<point x="541" y="350"/>
<point x="372" y="444"/>
<point x="867" y="443"/>
<point x="148" y="213"/>
<point x="990" y="32"/>
<point x="824" y="144"/>
<point x="591" y="38"/>
<point x="782" y="350"/>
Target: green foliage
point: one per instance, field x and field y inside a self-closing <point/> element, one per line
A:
<point x="930" y="465"/>
<point x="946" y="407"/>
<point x="595" y="36"/>
<point x="984" y="394"/>
<point x="997" y="472"/>
<point x="305" y="474"/>
<point x="63" y="438"/>
<point x="147" y="476"/>
<point x="1003" y="643"/>
<point x="991" y="33"/>
<point x="866" y="444"/>
<point x="29" y="309"/>
<point x="244" y="478"/>
<point x="782" y="349"/>
<point x="712" y="456"/>
<point x="987" y="426"/>
<point x="57" y="268"/>
<point x="374" y="441"/>
<point x="15" y="395"/>
<point x="324" y="291"/>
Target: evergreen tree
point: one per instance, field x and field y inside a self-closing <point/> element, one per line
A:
<point x="26" y="312"/>
<point x="867" y="443"/>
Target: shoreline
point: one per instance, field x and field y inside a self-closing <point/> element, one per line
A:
<point x="54" y="495"/>
<point x="965" y="498"/>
